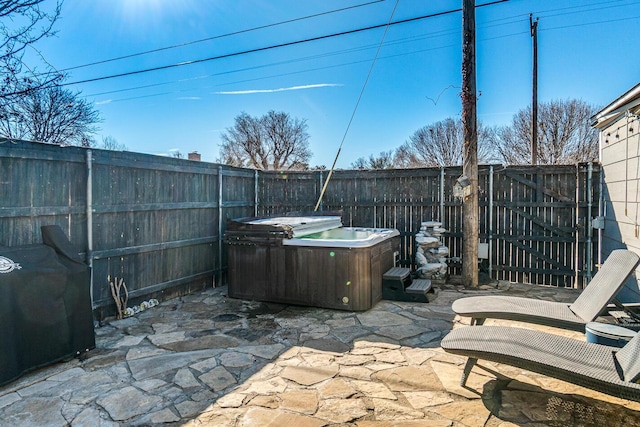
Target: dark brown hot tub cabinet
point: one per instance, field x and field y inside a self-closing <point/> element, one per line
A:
<point x="267" y="263"/>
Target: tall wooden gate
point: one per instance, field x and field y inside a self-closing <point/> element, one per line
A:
<point x="542" y="224"/>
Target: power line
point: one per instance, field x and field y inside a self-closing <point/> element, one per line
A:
<point x="244" y="52"/>
<point x="439" y="33"/>
<point x="264" y="77"/>
<point x="262" y="49"/>
<point x="234" y="33"/>
<point x="570" y="10"/>
<point x="442" y="32"/>
<point x="315" y="16"/>
<point x="239" y="53"/>
<point x="276" y="46"/>
<point x="340" y="52"/>
<point x="592" y="23"/>
<point x="274" y="75"/>
<point x="290" y="61"/>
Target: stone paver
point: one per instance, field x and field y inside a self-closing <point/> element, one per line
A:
<point x="128" y="402"/>
<point x="208" y="360"/>
<point x="308" y="375"/>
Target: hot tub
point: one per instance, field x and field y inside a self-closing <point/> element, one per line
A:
<point x="309" y="260"/>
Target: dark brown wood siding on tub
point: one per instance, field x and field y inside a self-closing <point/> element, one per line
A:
<point x="329" y="277"/>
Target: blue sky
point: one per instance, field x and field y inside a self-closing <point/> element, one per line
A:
<point x="587" y="50"/>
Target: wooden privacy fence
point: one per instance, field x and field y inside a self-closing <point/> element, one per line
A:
<point x="158" y="222"/>
<point x="537" y="220"/>
<point x="154" y="221"/>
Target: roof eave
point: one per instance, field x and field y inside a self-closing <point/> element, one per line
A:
<point x="608" y="114"/>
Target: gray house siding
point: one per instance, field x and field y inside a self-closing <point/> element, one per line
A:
<point x="619" y="126"/>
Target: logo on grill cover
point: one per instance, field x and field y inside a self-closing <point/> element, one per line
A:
<point x="7" y="265"/>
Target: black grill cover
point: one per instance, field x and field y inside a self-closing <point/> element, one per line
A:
<point x="45" y="305"/>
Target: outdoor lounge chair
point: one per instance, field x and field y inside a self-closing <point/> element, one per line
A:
<point x="591" y="302"/>
<point x="610" y="370"/>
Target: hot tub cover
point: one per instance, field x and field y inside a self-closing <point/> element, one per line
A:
<point x="302" y="225"/>
<point x="273" y="229"/>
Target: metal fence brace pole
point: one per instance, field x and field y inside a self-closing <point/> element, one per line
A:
<point x="601" y="211"/>
<point x="577" y="283"/>
<point x="90" y="223"/>
<point x="589" y="257"/>
<point x="490" y="228"/>
<point x="441" y="213"/>
<point x="220" y="203"/>
<point x="255" y="193"/>
<point x="374" y="202"/>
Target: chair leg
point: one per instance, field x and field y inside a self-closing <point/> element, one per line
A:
<point x="477" y="321"/>
<point x="467" y="370"/>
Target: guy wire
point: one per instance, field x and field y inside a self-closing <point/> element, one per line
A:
<point x="386" y="29"/>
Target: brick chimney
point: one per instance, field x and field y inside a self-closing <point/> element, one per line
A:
<point x="194" y="156"/>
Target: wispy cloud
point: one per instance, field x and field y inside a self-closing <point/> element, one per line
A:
<point x="108" y="101"/>
<point x="282" y="89"/>
<point x="189" y="98"/>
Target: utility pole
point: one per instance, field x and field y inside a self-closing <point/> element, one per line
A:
<point x="534" y="102"/>
<point x="470" y="227"/>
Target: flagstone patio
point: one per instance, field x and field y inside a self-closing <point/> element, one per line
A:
<point x="208" y="360"/>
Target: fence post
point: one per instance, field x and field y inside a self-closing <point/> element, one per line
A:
<point x="90" y="222"/>
<point x="220" y="202"/>
<point x="589" y="260"/>
<point x="490" y="228"/>
<point x="441" y="213"/>
<point x="600" y="213"/>
<point x="255" y="192"/>
<point x="577" y="229"/>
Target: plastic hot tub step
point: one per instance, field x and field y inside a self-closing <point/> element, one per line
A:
<point x="419" y="286"/>
<point x="397" y="273"/>
<point x="397" y="285"/>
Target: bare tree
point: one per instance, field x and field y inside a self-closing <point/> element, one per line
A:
<point x="22" y="24"/>
<point x="564" y="134"/>
<point x="440" y="144"/>
<point x="406" y="157"/>
<point x="54" y="115"/>
<point x="384" y="161"/>
<point x="110" y="143"/>
<point x="273" y="141"/>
